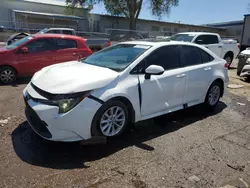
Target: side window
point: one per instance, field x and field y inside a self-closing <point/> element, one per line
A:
<point x="166" y="56"/>
<point x="66" y="43"/>
<point x="212" y="39"/>
<point x="41" y="45"/>
<point x="207" y="39"/>
<point x="192" y="55"/>
<point x="67" y="32"/>
<point x="201" y="39"/>
<point x="53" y="31"/>
<point x="206" y="57"/>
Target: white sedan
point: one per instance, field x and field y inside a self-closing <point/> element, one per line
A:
<point x="125" y="83"/>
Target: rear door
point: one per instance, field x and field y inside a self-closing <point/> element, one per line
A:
<point x="199" y="65"/>
<point x="211" y="42"/>
<point x="41" y="53"/>
<point x="66" y="50"/>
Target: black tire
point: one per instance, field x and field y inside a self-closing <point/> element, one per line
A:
<point x="238" y="73"/>
<point x="208" y="101"/>
<point x="229" y="56"/>
<point x="4" y="72"/>
<point x="96" y="128"/>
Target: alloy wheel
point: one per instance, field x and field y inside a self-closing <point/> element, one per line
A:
<point x="112" y="121"/>
<point x="7" y="76"/>
<point x="214" y="95"/>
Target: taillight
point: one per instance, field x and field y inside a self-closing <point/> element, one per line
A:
<point x="239" y="46"/>
<point x="226" y="65"/>
<point x="109" y="43"/>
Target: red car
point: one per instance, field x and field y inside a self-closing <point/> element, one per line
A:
<point x="32" y="53"/>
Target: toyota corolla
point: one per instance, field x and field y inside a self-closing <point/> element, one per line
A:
<point x="123" y="84"/>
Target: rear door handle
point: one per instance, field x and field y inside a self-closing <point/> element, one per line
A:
<point x="180" y="75"/>
<point x="219" y="46"/>
<point x="207" y="68"/>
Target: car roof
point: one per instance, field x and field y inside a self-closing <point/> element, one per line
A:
<point x="197" y="33"/>
<point x="59" y="28"/>
<point x="56" y="36"/>
<point x="159" y="43"/>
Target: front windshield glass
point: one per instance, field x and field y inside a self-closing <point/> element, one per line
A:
<point x="43" y="31"/>
<point x="117" y="57"/>
<point x="19" y="42"/>
<point x="182" y="37"/>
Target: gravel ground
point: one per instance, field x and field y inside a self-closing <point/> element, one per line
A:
<point x="192" y="148"/>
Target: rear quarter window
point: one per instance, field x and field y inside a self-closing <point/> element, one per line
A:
<point x="66" y="43"/>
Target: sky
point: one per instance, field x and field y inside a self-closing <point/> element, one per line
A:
<point x="197" y="11"/>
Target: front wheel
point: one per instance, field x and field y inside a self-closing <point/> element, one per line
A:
<point x="111" y="119"/>
<point x="213" y="94"/>
<point x="7" y="75"/>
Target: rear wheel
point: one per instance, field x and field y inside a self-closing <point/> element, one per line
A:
<point x="7" y="75"/>
<point x="229" y="59"/>
<point x="111" y="119"/>
<point x="213" y="94"/>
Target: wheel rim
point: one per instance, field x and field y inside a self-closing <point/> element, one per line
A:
<point x="214" y="95"/>
<point x="228" y="60"/>
<point x="7" y="76"/>
<point x="112" y="121"/>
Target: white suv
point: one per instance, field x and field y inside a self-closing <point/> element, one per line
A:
<point x="122" y="84"/>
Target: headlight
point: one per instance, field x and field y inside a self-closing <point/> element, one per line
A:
<point x="66" y="105"/>
<point x="248" y="61"/>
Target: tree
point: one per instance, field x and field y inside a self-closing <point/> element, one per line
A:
<point x="129" y="8"/>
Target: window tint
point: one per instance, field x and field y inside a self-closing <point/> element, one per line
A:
<point x="206" y="57"/>
<point x="66" y="43"/>
<point x="166" y="56"/>
<point x="41" y="45"/>
<point x="207" y="39"/>
<point x="53" y="31"/>
<point x="67" y="32"/>
<point x="192" y="55"/>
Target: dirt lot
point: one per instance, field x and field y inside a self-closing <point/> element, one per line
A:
<point x="190" y="148"/>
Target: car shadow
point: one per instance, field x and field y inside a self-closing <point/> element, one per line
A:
<point x="34" y="150"/>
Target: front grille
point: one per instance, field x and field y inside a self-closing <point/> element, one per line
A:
<point x="37" y="124"/>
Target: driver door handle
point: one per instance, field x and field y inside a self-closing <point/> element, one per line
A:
<point x="180" y="75"/>
<point x="207" y="68"/>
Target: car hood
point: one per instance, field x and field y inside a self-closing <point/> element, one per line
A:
<point x="246" y="52"/>
<point x="72" y="77"/>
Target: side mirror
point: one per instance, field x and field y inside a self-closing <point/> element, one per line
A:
<point x="24" y="50"/>
<point x="153" y="70"/>
<point x="199" y="42"/>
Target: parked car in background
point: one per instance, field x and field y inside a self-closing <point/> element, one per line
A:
<point x="123" y="84"/>
<point x="95" y="44"/>
<point x="30" y="54"/>
<point x="243" y="67"/>
<point x="225" y="49"/>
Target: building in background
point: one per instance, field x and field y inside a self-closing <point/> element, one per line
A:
<point x="245" y="39"/>
<point x="104" y="23"/>
<point x="39" y="14"/>
<point x="234" y="28"/>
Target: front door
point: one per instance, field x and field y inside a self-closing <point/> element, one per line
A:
<point x="166" y="91"/>
<point x="211" y="42"/>
<point x="41" y="53"/>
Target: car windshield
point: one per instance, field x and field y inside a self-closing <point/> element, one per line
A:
<point x="182" y="37"/>
<point x="117" y="57"/>
<point x="19" y="42"/>
<point x="43" y="31"/>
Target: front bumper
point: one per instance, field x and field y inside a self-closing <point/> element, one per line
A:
<point x="245" y="71"/>
<point x="72" y="126"/>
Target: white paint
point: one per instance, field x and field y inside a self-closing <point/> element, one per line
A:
<point x="160" y="94"/>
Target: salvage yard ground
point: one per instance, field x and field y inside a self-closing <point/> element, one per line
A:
<point x="190" y="148"/>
